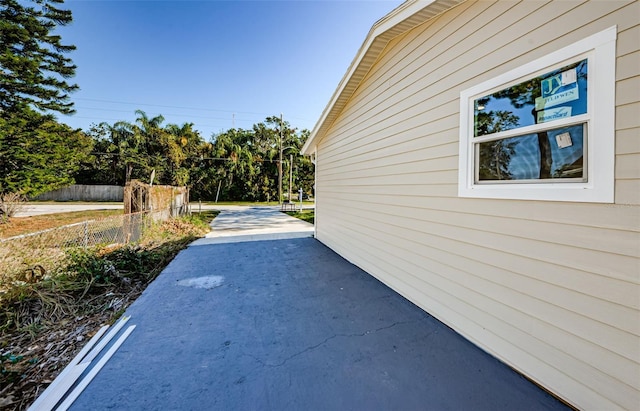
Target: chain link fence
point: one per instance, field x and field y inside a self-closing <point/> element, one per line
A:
<point x="32" y="255"/>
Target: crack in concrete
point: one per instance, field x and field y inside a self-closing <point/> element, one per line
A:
<point x="326" y="340"/>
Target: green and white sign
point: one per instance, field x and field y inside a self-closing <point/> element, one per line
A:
<point x="557" y="89"/>
<point x="558" y="98"/>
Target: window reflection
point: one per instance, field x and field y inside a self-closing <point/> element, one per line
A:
<point x="522" y="157"/>
<point x="558" y="94"/>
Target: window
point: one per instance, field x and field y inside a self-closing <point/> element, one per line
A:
<point x="544" y="131"/>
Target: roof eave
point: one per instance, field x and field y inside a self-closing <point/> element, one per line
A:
<point x="403" y="18"/>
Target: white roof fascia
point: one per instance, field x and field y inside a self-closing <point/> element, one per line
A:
<point x="403" y="18"/>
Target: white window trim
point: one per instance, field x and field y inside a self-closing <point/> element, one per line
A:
<point x="601" y="49"/>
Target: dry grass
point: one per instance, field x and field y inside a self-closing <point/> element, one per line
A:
<point x="25" y="225"/>
<point x="43" y="324"/>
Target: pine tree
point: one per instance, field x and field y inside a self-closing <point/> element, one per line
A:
<point x="33" y="66"/>
<point x="37" y="153"/>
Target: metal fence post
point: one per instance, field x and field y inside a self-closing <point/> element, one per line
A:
<point x="86" y="234"/>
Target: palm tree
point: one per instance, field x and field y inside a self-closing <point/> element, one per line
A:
<point x="182" y="149"/>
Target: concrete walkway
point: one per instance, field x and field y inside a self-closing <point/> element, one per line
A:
<point x="289" y="325"/>
<point x="238" y="224"/>
<point x="31" y="209"/>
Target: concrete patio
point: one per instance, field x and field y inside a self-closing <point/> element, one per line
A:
<point x="287" y="324"/>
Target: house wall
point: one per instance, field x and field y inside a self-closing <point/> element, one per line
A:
<point x="550" y="288"/>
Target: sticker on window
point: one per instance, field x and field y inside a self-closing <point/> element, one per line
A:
<point x="564" y="140"/>
<point x="553" y="114"/>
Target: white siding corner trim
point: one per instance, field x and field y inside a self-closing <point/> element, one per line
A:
<point x="600" y="49"/>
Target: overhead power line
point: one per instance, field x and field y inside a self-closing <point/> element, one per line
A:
<point x="262" y="160"/>
<point x="182" y="107"/>
<point x="168" y="106"/>
<point x="119" y="119"/>
<point x="163" y="114"/>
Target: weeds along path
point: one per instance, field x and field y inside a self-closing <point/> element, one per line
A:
<point x="45" y="321"/>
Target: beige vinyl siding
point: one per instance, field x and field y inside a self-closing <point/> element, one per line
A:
<point x="628" y="90"/>
<point x="627" y="141"/>
<point x="471" y="288"/>
<point x="628" y="117"/>
<point x="551" y="288"/>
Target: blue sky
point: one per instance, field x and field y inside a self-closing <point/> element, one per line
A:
<point x="210" y="62"/>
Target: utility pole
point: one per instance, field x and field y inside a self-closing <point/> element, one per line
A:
<point x="290" y="175"/>
<point x="280" y="165"/>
